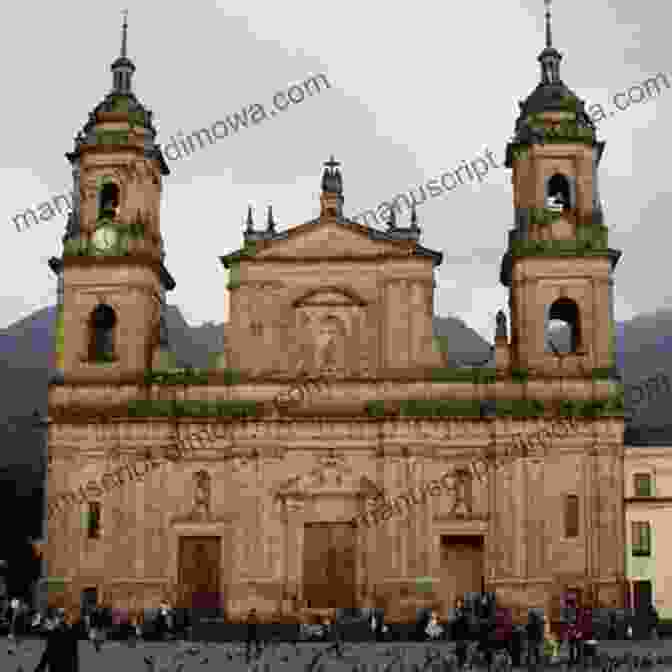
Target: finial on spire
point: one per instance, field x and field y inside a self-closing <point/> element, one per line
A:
<point x="270" y="224"/>
<point x="548" y="24"/>
<point x="250" y="222"/>
<point x="124" y="30"/>
<point x="123" y="68"/>
<point x="550" y="57"/>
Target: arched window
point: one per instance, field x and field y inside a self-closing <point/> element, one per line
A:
<point x="101" y="332"/>
<point x="563" y="329"/>
<point x="558" y="191"/>
<point x="108" y="204"/>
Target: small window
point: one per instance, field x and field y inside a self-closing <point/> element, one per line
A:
<point x="563" y="327"/>
<point x="641" y="538"/>
<point x="93" y="523"/>
<point x="571" y="516"/>
<point x="101" y="334"/>
<point x="109" y="200"/>
<point x="643" y="485"/>
<point x="559" y="194"/>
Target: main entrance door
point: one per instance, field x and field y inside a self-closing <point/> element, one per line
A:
<point x="329" y="565"/>
<point x="198" y="576"/>
<point x="461" y="566"/>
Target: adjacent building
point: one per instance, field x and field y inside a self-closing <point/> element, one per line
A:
<point x="648" y="511"/>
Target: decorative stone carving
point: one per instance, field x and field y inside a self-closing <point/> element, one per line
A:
<point x="202" y="494"/>
<point x="331" y="475"/>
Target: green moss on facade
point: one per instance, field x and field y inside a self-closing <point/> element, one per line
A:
<point x="477" y="375"/>
<point x="543" y="216"/>
<point x="519" y="375"/>
<point x="112" y="137"/>
<point x="557" y="248"/>
<point x="613" y="406"/>
<point x="519" y="408"/>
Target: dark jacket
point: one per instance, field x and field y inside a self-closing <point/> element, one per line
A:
<point x="460" y="627"/>
<point x="62" y="651"/>
<point x="252" y="630"/>
<point x="535" y="630"/>
<point x="653" y="617"/>
<point x="97" y="619"/>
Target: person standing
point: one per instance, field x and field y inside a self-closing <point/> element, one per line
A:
<point x="135" y="630"/>
<point x="611" y="634"/>
<point x="574" y="640"/>
<point x="535" y="639"/>
<point x="653" y="622"/>
<point x="62" y="651"/>
<point x="164" y="621"/>
<point x="13" y="608"/>
<point x="460" y="633"/>
<point x="97" y="634"/>
<point x="434" y="628"/>
<point x="252" y="635"/>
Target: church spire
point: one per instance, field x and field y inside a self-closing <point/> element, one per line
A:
<point x="550" y="57"/>
<point x="270" y="222"/>
<point x="124" y="31"/>
<point x="549" y="41"/>
<point x="122" y="68"/>
<point x="250" y="221"/>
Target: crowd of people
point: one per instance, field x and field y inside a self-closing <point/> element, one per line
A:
<point x="480" y="631"/>
<point x="492" y="630"/>
<point x="65" y="627"/>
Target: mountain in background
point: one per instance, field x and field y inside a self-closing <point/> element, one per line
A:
<point x="643" y="349"/>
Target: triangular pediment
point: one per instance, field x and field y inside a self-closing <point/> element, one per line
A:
<point x="330" y="240"/>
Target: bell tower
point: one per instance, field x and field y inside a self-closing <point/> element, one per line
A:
<point x="558" y="266"/>
<point x="112" y="277"/>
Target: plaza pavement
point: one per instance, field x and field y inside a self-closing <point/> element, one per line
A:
<point x="282" y="657"/>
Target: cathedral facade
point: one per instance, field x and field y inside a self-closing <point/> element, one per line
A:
<point x="340" y="462"/>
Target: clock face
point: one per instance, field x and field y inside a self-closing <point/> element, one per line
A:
<point x="104" y="238"/>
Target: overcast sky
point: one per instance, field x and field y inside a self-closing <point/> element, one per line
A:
<point x="415" y="90"/>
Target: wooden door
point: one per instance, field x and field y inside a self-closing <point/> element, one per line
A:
<point x="199" y="574"/>
<point x="329" y="565"/>
<point x="461" y="566"/>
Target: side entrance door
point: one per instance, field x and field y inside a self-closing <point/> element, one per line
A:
<point x="329" y="565"/>
<point x="199" y="576"/>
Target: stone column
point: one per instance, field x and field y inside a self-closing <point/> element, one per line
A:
<point x="293" y="545"/>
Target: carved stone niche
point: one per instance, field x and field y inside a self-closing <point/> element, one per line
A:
<point x="325" y="330"/>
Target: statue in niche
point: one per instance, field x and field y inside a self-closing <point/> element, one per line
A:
<point x="328" y="351"/>
<point x="202" y="493"/>
<point x="501" y="325"/>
